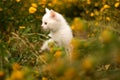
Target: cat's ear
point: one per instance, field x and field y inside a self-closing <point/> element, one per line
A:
<point x="52" y="13"/>
<point x="47" y="10"/>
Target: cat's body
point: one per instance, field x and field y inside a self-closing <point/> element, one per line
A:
<point x="60" y="32"/>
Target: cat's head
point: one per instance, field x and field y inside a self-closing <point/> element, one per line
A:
<point x="51" y="20"/>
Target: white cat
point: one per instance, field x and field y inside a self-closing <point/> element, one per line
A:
<point x="60" y="32"/>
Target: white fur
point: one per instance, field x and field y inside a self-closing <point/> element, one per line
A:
<point x="60" y="32"/>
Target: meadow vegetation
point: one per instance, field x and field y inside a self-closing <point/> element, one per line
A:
<point x="96" y="45"/>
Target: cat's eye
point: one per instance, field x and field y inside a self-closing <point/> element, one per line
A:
<point x="45" y="23"/>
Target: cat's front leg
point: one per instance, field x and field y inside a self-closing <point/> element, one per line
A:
<point x="45" y="45"/>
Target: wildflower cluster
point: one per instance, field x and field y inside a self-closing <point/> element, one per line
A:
<point x="33" y="9"/>
<point x="96" y="42"/>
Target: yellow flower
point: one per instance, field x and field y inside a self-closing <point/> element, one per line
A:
<point x="88" y="1"/>
<point x="106" y="6"/>
<point x="78" y="24"/>
<point x="75" y="43"/>
<point x="96" y="12"/>
<point x="91" y="14"/>
<point x="43" y="2"/>
<point x="22" y="27"/>
<point x="34" y="5"/>
<point x="102" y="9"/>
<point x="117" y="4"/>
<point x="108" y="18"/>
<point x="58" y="54"/>
<point x="44" y="78"/>
<point x="32" y="10"/>
<point x="16" y="66"/>
<point x="17" y="0"/>
<point x="17" y="75"/>
<point x="87" y="64"/>
<point x="51" y="46"/>
<point x="106" y="36"/>
<point x="50" y="4"/>
<point x="96" y="4"/>
<point x="73" y="27"/>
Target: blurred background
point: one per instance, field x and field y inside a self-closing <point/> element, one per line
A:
<point x="96" y="29"/>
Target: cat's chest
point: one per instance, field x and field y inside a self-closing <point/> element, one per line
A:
<point x="57" y="37"/>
